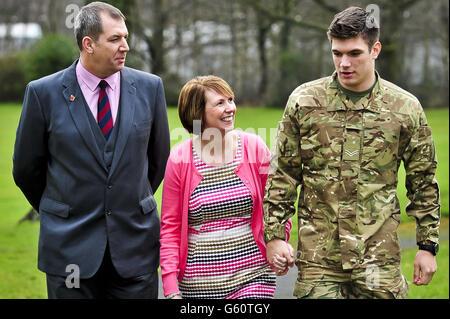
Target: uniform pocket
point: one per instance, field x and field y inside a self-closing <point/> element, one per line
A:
<point x="400" y="291"/>
<point x="303" y="289"/>
<point x="381" y="142"/>
<point x="380" y="153"/>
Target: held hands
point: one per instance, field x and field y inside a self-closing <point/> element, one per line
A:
<point x="280" y="255"/>
<point x="424" y="267"/>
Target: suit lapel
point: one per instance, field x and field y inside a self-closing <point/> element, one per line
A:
<point x="75" y="102"/>
<point x="127" y="107"/>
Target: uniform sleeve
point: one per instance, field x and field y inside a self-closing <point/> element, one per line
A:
<point x="284" y="175"/>
<point x="422" y="188"/>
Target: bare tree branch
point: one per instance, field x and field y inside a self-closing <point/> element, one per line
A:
<point x="255" y="4"/>
<point x="326" y="6"/>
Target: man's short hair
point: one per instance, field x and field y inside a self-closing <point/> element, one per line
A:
<point x="192" y="101"/>
<point x="354" y="22"/>
<point x="88" y="21"/>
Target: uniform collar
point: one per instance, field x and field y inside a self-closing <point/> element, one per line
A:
<point x="338" y="101"/>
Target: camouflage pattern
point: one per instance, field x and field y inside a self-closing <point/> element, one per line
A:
<point x="346" y="157"/>
<point x="383" y="282"/>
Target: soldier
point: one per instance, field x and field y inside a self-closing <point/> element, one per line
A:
<point x="342" y="139"/>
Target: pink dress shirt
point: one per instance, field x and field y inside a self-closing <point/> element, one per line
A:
<point x="180" y="180"/>
<point x="89" y="86"/>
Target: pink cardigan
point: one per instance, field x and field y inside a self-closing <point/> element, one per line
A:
<point x="181" y="178"/>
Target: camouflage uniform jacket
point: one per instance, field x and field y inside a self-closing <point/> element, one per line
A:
<point x="346" y="157"/>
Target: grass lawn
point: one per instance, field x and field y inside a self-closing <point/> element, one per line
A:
<point x="19" y="277"/>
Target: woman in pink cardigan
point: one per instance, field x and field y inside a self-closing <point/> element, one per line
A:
<point x="212" y="216"/>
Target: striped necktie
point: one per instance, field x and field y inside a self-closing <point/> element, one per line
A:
<point x="104" y="116"/>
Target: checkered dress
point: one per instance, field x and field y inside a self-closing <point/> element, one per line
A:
<point x="223" y="259"/>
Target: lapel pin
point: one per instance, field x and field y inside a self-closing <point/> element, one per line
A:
<point x="72" y="98"/>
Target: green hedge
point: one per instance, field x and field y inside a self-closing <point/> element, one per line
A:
<point x="48" y="55"/>
<point x="12" y="77"/>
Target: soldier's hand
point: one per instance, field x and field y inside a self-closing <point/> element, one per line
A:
<point x="280" y="265"/>
<point x="424" y="267"/>
<point x="280" y="255"/>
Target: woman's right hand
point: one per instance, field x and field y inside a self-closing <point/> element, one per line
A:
<point x="282" y="264"/>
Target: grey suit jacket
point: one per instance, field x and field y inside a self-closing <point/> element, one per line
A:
<point x="84" y="204"/>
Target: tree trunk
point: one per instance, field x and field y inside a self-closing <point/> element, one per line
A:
<point x="263" y="28"/>
<point x="285" y="34"/>
<point x="234" y="46"/>
<point x="157" y="47"/>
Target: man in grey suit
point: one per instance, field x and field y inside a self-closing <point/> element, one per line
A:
<point x="90" y="151"/>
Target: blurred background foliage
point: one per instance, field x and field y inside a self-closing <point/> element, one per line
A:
<point x="263" y="48"/>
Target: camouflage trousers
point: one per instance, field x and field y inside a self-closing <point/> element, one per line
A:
<point x="373" y="282"/>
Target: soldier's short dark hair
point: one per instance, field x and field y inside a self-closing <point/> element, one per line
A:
<point x="88" y="21"/>
<point x="192" y="101"/>
<point x="354" y="22"/>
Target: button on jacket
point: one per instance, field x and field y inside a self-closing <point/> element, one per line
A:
<point x="346" y="157"/>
